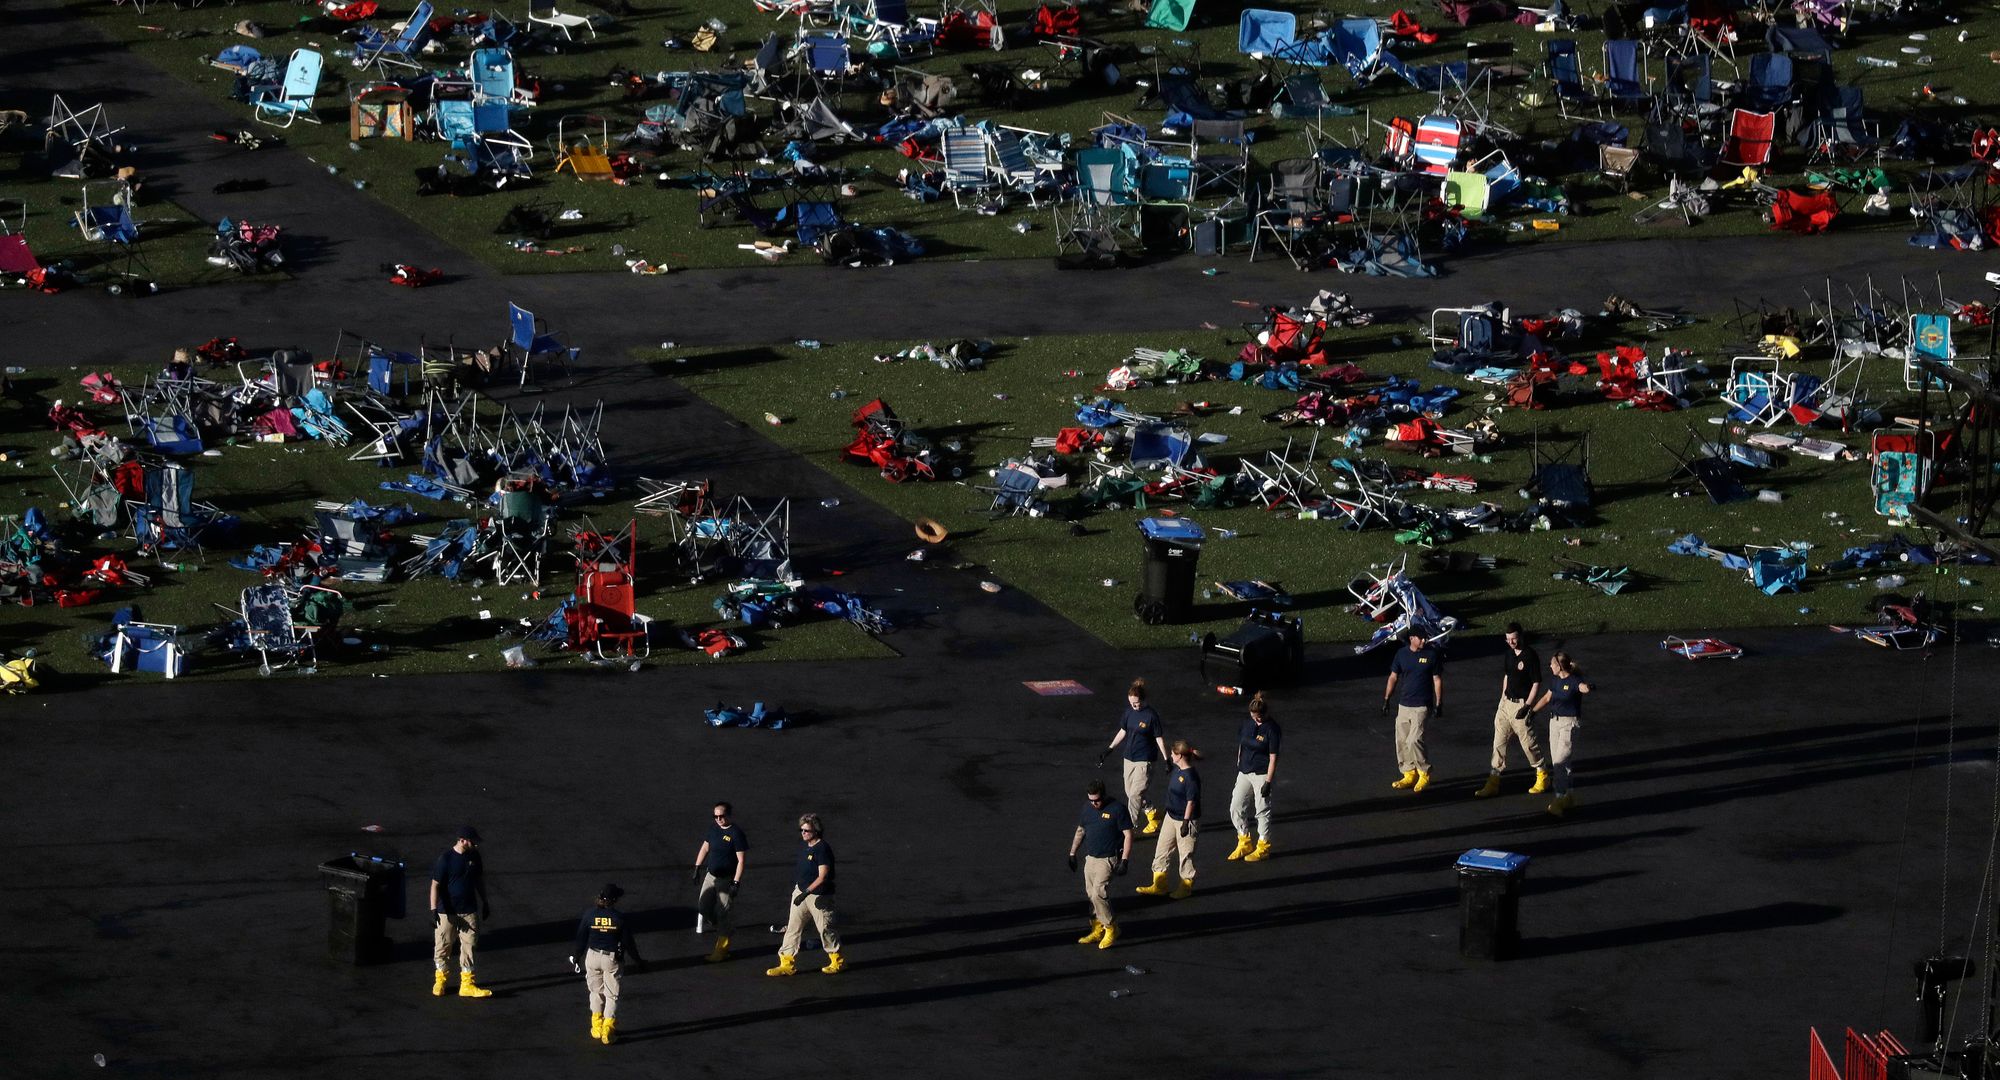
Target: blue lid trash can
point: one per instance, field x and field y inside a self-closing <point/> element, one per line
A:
<point x="1173" y="550"/>
<point x="1489" y="904"/>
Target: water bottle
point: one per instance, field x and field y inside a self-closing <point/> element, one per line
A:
<point x="829" y="503"/>
<point x="354" y="146"/>
<point x="807" y="343"/>
<point x="1121" y="993"/>
<point x="837" y="394"/>
<point x="1891" y="581"/>
<point x="1134" y="969"/>
<point x="1225" y="534"/>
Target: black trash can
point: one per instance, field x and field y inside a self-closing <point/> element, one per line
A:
<point x="1489" y="904"/>
<point x="1173" y="550"/>
<point x="361" y="891"/>
<point x="1267" y="650"/>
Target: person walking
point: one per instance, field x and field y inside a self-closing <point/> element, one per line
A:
<point x="1182" y="824"/>
<point x="1104" y="834"/>
<point x="1145" y="747"/>
<point x="812" y="897"/>
<point x="1513" y="718"/>
<point x="1256" y="771"/>
<point x="458" y="903"/>
<point x="603" y="943"/>
<point x="1416" y="685"/>
<point x="1563" y="696"/>
<point x="718" y="867"/>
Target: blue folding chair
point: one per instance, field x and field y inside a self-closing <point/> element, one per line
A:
<point x="404" y="50"/>
<point x="1357" y="46"/>
<point x="1260" y="32"/>
<point x="1770" y="84"/>
<point x="278" y="104"/>
<point x="111" y="223"/>
<point x="529" y="337"/>
<point x="1566" y="79"/>
<point x="493" y="80"/>
<point x="1625" y="74"/>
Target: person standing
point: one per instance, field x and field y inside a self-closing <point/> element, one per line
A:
<point x="1563" y="696"/>
<point x="1513" y="718"/>
<point x="603" y="942"/>
<point x="1256" y="771"/>
<point x="1182" y="824"/>
<point x="718" y="867"/>
<point x="1145" y="745"/>
<point x="1104" y="834"/>
<point x="458" y="903"/>
<point x="1416" y="685"/>
<point x="812" y="897"/>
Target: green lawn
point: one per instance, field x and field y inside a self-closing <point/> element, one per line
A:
<point x="659" y="224"/>
<point x="405" y="627"/>
<point x="1028" y="388"/>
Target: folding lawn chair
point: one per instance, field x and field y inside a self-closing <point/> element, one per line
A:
<point x="529" y="337"/>
<point x="1756" y="392"/>
<point x="586" y="157"/>
<point x="965" y="164"/>
<point x="1565" y="69"/>
<point x="1747" y="143"/>
<point x="1769" y="87"/>
<point x="269" y="628"/>
<point x="1625" y="74"/>
<point x="1899" y="470"/>
<point x="826" y="60"/>
<point x="1012" y="168"/>
<point x="291" y="99"/>
<point x="404" y="50"/>
<point x="1291" y="210"/>
<point x="1261" y="32"/>
<point x="492" y="71"/>
<point x="1357" y="46"/>
<point x="1437" y="144"/>
<point x="1169" y="14"/>
<point x="555" y="19"/>
<point x="111" y="223"/>
<point x="1559" y="481"/>
<point x="519" y="538"/>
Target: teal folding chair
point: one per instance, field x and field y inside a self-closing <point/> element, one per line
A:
<point x="281" y="103"/>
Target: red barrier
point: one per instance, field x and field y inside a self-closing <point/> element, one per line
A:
<point x="1819" y="1063"/>
<point x="1868" y="1055"/>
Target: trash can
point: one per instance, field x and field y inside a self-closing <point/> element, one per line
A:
<point x="1268" y="649"/>
<point x="1173" y="548"/>
<point x="362" y="891"/>
<point x="1489" y="904"/>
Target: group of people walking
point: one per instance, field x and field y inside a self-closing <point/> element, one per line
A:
<point x="1414" y="690"/>
<point x="1101" y="846"/>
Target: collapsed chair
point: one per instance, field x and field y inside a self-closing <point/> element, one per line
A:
<point x="882" y="440"/>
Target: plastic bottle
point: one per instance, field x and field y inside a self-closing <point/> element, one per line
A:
<point x="1121" y="993"/>
<point x="1225" y="534"/>
<point x="837" y="394"/>
<point x="829" y="503"/>
<point x="1891" y="581"/>
<point x="807" y="343"/>
<point x="1134" y="969"/>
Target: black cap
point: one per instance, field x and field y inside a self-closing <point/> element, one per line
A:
<point x="610" y="893"/>
<point x="467" y="832"/>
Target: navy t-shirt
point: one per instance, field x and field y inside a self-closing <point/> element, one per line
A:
<point x="1564" y="697"/>
<point x="604" y="929"/>
<point x="811" y="858"/>
<point x="723" y="844"/>
<point x="1413" y="672"/>
<point x="1103" y="829"/>
<point x="1255" y="744"/>
<point x="1141" y="727"/>
<point x="1184" y="794"/>
<point x="459" y="875"/>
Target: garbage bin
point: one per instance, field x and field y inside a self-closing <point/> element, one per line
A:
<point x="1173" y="548"/>
<point x="1268" y="649"/>
<point x="362" y="891"/>
<point x="1489" y="904"/>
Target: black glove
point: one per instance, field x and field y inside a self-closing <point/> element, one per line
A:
<point x="1121" y="868"/>
<point x="799" y="899"/>
<point x="1187" y="828"/>
<point x="730" y="887"/>
<point x="437" y="916"/>
<point x="1437" y="710"/>
<point x="1385" y="706"/>
<point x="1524" y="713"/>
<point x="698" y="871"/>
<point x="1072" y="862"/>
<point x="574" y="966"/>
<point x="1265" y="791"/>
<point x="1101" y="757"/>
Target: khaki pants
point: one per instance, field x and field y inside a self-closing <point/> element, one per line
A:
<point x="1171" y="844"/>
<point x="460" y="932"/>
<point x="1097" y="886"/>
<point x="714" y="903"/>
<point x="600" y="974"/>
<point x="1410" y="720"/>
<point x="1562" y="745"/>
<point x="1250" y="789"/>
<point x="820" y="910"/>
<point x="1507" y="728"/>
<point x="1138" y="777"/>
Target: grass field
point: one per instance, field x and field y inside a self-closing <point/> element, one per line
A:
<point x="659" y="224"/>
<point x="404" y="627"/>
<point x="1028" y="389"/>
